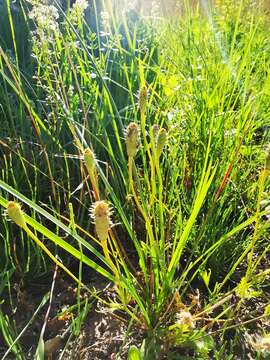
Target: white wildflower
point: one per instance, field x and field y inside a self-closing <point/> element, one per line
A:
<point x="230" y="133"/>
<point x="105" y="20"/>
<point x="261" y="343"/>
<point x="45" y="17"/>
<point x="77" y="11"/>
<point x="184" y="318"/>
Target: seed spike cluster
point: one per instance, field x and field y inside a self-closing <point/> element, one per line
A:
<point x="132" y="139"/>
<point x="15" y="213"/>
<point x="101" y="215"/>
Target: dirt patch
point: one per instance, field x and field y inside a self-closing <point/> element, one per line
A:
<point x="103" y="337"/>
<point x="102" y="334"/>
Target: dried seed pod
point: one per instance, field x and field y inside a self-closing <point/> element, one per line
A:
<point x="101" y="214"/>
<point x="161" y="141"/>
<point x="15" y="213"/>
<point x="132" y="139"/>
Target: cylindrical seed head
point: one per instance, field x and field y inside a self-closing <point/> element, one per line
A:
<point x="132" y="139"/>
<point x="155" y="129"/>
<point x="161" y="140"/>
<point x="15" y="213"/>
<point x="89" y="159"/>
<point x="101" y="213"/>
<point x="143" y="99"/>
<point x="267" y="161"/>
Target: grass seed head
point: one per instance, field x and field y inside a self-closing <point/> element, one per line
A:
<point x="15" y="213"/>
<point x="143" y="99"/>
<point x="101" y="215"/>
<point x="161" y="140"/>
<point x="132" y="139"/>
<point x="267" y="162"/>
<point x="155" y="129"/>
<point x="89" y="159"/>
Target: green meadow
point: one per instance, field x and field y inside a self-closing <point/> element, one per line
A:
<point x="134" y="181"/>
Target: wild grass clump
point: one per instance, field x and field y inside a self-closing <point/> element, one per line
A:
<point x="166" y="143"/>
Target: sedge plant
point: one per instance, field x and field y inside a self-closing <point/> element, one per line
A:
<point x="170" y="181"/>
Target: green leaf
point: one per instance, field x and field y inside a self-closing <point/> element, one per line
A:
<point x="52" y="236"/>
<point x="40" y="350"/>
<point x="134" y="353"/>
<point x="205" y="344"/>
<point x="267" y="310"/>
<point x="206" y="276"/>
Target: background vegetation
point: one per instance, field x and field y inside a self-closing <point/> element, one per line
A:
<point x="190" y="210"/>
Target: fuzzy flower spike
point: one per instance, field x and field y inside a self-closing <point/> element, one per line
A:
<point x="132" y="139"/>
<point x="161" y="141"/>
<point x="89" y="159"/>
<point x="15" y="213"/>
<point x="90" y="163"/>
<point x="143" y="94"/>
<point x="267" y="160"/>
<point x="101" y="215"/>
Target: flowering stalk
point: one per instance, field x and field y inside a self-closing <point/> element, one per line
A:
<point x="143" y="103"/>
<point x="267" y="160"/>
<point x="143" y="99"/>
<point x="161" y="139"/>
<point x="90" y="164"/>
<point x="143" y="108"/>
<point x="132" y="139"/>
<point x="101" y="214"/>
<point x="16" y="214"/>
